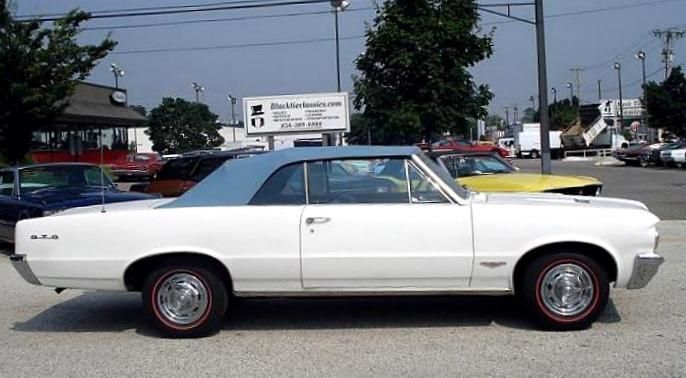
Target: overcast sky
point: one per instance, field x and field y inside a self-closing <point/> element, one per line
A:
<point x="579" y="33"/>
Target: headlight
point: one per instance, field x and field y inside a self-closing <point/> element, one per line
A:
<point x="47" y="213"/>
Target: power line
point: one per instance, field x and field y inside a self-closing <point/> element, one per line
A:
<point x="148" y="8"/>
<point x="585" y="11"/>
<point x="221" y="47"/>
<point x="194" y="10"/>
<point x="209" y="20"/>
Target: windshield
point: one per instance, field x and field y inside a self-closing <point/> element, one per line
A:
<point x="474" y="165"/>
<point x="62" y="177"/>
<point x="444" y="175"/>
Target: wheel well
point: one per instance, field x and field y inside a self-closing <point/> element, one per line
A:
<point x="600" y="255"/>
<point x="136" y="273"/>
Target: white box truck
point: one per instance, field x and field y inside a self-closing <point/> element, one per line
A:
<point x="528" y="143"/>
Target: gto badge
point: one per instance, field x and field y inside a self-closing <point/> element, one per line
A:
<point x="44" y="237"/>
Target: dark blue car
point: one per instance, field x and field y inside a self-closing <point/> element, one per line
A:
<point x="43" y="189"/>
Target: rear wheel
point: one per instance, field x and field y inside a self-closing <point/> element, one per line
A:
<point x="184" y="300"/>
<point x="534" y="154"/>
<point x="643" y="161"/>
<point x="564" y="291"/>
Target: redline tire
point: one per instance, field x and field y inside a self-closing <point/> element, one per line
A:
<point x="210" y="299"/>
<point x="539" y="306"/>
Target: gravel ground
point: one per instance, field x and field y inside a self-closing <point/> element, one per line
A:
<point x="642" y="333"/>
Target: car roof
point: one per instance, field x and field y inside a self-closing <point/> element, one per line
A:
<point x="444" y="152"/>
<point x="237" y="181"/>
<point x="39" y="165"/>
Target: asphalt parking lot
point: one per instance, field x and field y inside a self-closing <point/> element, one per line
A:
<point x="641" y="333"/>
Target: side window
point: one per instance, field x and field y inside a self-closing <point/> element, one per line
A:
<point x="6" y="183"/>
<point x="285" y="187"/>
<point x="355" y="181"/>
<point x="422" y="188"/>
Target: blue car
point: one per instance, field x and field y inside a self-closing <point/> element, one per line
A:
<point x="44" y="189"/>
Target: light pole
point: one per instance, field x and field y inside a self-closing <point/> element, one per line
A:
<point x="617" y="66"/>
<point x="197" y="88"/>
<point x="338" y="6"/>
<point x="533" y="102"/>
<point x="641" y="55"/>
<point x="571" y="93"/>
<point x="118" y="72"/>
<point x="233" y="102"/>
<point x="554" y="90"/>
<point x="600" y="91"/>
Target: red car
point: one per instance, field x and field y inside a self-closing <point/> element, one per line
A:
<point x="141" y="166"/>
<point x="467" y="146"/>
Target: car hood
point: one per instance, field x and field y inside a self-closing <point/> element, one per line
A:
<point x="553" y="199"/>
<point x="524" y="182"/>
<point x="75" y="197"/>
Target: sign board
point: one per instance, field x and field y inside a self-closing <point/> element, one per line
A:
<point x="297" y="114"/>
<point x="631" y="108"/>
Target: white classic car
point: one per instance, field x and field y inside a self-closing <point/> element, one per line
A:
<point x="296" y="222"/>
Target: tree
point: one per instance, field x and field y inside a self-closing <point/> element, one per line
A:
<point x="494" y="120"/>
<point x="39" y="69"/>
<point x="177" y="125"/>
<point x="666" y="103"/>
<point x="414" y="83"/>
<point x="140" y="109"/>
<point x="563" y="114"/>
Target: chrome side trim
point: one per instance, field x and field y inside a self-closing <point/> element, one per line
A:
<point x="22" y="267"/>
<point x="369" y="293"/>
<point x="646" y="266"/>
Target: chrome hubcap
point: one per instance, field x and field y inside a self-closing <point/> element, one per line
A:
<point x="182" y="298"/>
<point x="567" y="289"/>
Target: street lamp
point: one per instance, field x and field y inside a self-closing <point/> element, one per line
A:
<point x="118" y="72"/>
<point x="197" y="88"/>
<point x="571" y="93"/>
<point x="554" y="90"/>
<point x="338" y="6"/>
<point x="233" y="102"/>
<point x="533" y="102"/>
<point x="641" y="55"/>
<point x="618" y="67"/>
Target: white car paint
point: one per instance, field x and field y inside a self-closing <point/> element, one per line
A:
<point x="407" y="248"/>
<point x="678" y="156"/>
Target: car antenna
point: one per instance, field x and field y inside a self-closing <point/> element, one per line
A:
<point x="102" y="176"/>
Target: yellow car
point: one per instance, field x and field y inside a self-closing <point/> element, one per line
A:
<point x="485" y="172"/>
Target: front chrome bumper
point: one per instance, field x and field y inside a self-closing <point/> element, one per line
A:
<point x="22" y="267"/>
<point x="646" y="266"/>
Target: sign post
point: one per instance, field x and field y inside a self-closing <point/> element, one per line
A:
<point x="296" y="114"/>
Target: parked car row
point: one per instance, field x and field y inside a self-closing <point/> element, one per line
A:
<point x="659" y="154"/>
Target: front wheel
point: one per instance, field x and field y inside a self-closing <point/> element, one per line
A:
<point x="534" y="154"/>
<point x="185" y="300"/>
<point x="565" y="291"/>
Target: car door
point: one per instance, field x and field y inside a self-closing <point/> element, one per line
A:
<point x="382" y="232"/>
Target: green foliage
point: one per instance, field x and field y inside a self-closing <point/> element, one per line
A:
<point x="177" y="126"/>
<point x="667" y="103"/>
<point x="563" y="114"/>
<point x="414" y="83"/>
<point x="39" y="68"/>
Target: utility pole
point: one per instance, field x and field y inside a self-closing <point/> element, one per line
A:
<point x="600" y="91"/>
<point x="617" y="66"/>
<point x="668" y="36"/>
<point x="515" y="114"/>
<point x="578" y="70"/>
<point x="507" y="116"/>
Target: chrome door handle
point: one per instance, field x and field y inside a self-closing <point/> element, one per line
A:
<point x="316" y="220"/>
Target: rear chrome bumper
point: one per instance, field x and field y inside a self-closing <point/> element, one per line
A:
<point x="646" y="266"/>
<point x="22" y="267"/>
